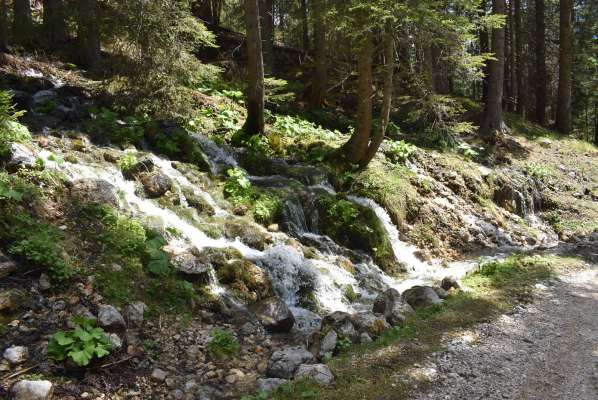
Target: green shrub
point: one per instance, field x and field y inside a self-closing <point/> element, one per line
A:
<point x="122" y="234"/>
<point x="83" y="344"/>
<point x="343" y="344"/>
<point x="127" y="162"/>
<point x="223" y="344"/>
<point x="11" y="131"/>
<point x="47" y="107"/>
<point x="266" y="209"/>
<point x="344" y="212"/>
<point x="39" y="243"/>
<point x="238" y="186"/>
<point x="400" y="151"/>
<point x="351" y="294"/>
<point x="121" y="130"/>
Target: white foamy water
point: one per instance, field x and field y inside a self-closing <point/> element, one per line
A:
<point x="147" y="208"/>
<point x="418" y="271"/>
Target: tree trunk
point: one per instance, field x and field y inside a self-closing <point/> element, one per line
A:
<point x="254" y="124"/>
<point x="439" y="67"/>
<point x="305" y="23"/>
<point x="267" y="31"/>
<point x="563" y="116"/>
<point x="88" y="33"/>
<point x="484" y="48"/>
<point x="320" y="77"/>
<point x="356" y="147"/>
<point x="389" y="70"/>
<point x="3" y="26"/>
<point x="493" y="120"/>
<point x="541" y="78"/>
<point x="512" y="59"/>
<point x="208" y="11"/>
<point x="22" y="25"/>
<point x="519" y="61"/>
<point x="54" y="22"/>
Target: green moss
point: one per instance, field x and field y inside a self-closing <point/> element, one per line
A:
<point x="389" y="185"/>
<point x="37" y="242"/>
<point x="351" y="294"/>
<point x="357" y="227"/>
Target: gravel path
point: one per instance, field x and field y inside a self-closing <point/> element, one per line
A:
<point x="544" y="351"/>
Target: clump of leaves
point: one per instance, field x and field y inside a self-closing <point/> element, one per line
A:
<point x="223" y="344"/>
<point x="127" y="162"/>
<point x="81" y="345"/>
<point x="468" y="150"/>
<point x="238" y="186"/>
<point x="158" y="261"/>
<point x="400" y="151"/>
<point x="122" y="234"/>
<point x="351" y="294"/>
<point x="344" y="211"/>
<point x="8" y="193"/>
<point x="538" y="171"/>
<point x="266" y="209"/>
<point x="343" y="344"/>
<point x="11" y="131"/>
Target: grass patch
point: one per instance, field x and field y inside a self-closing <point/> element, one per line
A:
<point x="378" y="370"/>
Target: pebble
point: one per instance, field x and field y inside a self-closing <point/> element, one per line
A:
<point x="16" y="354"/>
<point x="159" y="375"/>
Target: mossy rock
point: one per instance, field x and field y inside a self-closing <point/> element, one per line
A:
<point x="247" y="280"/>
<point x="247" y="233"/>
<point x="357" y="227"/>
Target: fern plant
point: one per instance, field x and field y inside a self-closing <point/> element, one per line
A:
<point x="81" y="345"/>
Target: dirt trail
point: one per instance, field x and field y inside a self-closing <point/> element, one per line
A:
<point x="546" y="350"/>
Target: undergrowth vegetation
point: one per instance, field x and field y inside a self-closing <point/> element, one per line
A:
<point x="11" y="131"/>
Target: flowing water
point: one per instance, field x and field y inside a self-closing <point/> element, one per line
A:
<point x="323" y="274"/>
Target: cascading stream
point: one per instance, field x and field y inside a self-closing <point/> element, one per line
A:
<point x="293" y="275"/>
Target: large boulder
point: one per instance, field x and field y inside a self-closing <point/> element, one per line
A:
<point x="392" y="306"/>
<point x="449" y="283"/>
<point x="285" y="362"/>
<point x="249" y="234"/>
<point x="328" y="343"/>
<point x="94" y="191"/>
<point x="32" y="390"/>
<point x="156" y="184"/>
<point x="319" y="373"/>
<point x="342" y="323"/>
<point x="274" y="315"/>
<point x="421" y="296"/>
<point x="247" y="280"/>
<point x="372" y="324"/>
<point x="21" y="156"/>
<point x="191" y="263"/>
<point x="134" y="313"/>
<point x="11" y="299"/>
